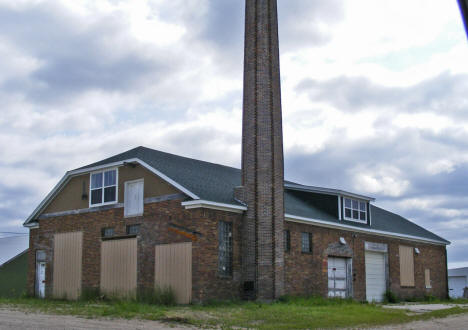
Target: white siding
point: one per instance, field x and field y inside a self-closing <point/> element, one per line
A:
<point x="456" y="286"/>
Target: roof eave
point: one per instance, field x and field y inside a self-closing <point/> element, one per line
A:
<point x="327" y="191"/>
<point x="329" y="224"/>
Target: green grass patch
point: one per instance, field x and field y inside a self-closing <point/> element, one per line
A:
<point x="288" y="313"/>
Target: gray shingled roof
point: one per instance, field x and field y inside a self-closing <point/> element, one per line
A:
<point x="214" y="182"/>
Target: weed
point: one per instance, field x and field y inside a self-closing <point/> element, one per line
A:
<point x="157" y="296"/>
<point x="391" y="297"/>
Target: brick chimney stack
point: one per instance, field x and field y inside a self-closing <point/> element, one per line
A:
<point x="262" y="155"/>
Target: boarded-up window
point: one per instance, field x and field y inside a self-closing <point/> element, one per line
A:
<point x="133" y="199"/>
<point x="119" y="267"/>
<point x="68" y="249"/>
<point x="406" y="266"/>
<point x="427" y="276"/>
<point x="173" y="268"/>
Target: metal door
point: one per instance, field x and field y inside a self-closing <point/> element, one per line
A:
<point x="337" y="277"/>
<point x="40" y="279"/>
<point x="376" y="283"/>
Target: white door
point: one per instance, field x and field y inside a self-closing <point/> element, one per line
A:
<point x="456" y="286"/>
<point x="133" y="199"/>
<point x="376" y="283"/>
<point x="337" y="277"/>
<point x="40" y="279"/>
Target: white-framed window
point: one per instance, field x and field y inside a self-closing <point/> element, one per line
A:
<point x="103" y="187"/>
<point x="355" y="210"/>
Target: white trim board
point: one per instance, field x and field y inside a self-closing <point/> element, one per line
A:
<point x="213" y="205"/>
<point x="327" y="224"/>
<point x="329" y="191"/>
<point x="58" y="187"/>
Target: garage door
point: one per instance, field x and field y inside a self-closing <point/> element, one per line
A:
<point x="173" y="268"/>
<point x="456" y="286"/>
<point x="119" y="267"/>
<point x="337" y="277"/>
<point x="376" y="283"/>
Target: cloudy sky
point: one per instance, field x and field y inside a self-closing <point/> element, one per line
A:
<point x="374" y="96"/>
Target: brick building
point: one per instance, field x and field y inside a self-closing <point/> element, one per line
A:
<point x="328" y="249"/>
<point x="145" y="218"/>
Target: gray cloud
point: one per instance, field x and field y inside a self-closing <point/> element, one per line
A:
<point x="300" y="22"/>
<point x="445" y="93"/>
<point x="51" y="124"/>
<point x="76" y="56"/>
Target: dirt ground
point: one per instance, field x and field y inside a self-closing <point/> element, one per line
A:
<point x="11" y="319"/>
<point x="454" y="322"/>
<point x="20" y="320"/>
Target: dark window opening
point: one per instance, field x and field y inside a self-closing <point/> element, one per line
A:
<point x="287" y="240"/>
<point x="107" y="232"/>
<point x="249" y="286"/>
<point x="306" y="242"/>
<point x="133" y="229"/>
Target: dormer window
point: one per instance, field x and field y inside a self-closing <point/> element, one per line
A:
<point x="355" y="210"/>
<point x="103" y="187"/>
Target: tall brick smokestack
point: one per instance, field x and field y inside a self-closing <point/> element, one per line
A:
<point x="262" y="155"/>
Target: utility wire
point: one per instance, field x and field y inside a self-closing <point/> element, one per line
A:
<point x="11" y="232"/>
<point x="13" y="236"/>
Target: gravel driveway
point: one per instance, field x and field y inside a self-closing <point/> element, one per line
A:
<point x="12" y="319"/>
<point x="454" y="322"/>
<point x="20" y="320"/>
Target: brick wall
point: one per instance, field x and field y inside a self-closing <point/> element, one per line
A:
<point x="307" y="273"/>
<point x="262" y="154"/>
<point x="154" y="230"/>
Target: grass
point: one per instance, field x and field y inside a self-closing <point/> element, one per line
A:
<point x="290" y="313"/>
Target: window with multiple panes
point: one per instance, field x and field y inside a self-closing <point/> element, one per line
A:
<point x="103" y="187"/>
<point x="133" y="229"/>
<point x="225" y="248"/>
<point x="287" y="240"/>
<point x="355" y="210"/>
<point x="306" y="242"/>
<point x="107" y="232"/>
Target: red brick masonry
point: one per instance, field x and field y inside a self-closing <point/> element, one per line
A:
<point x="304" y="273"/>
